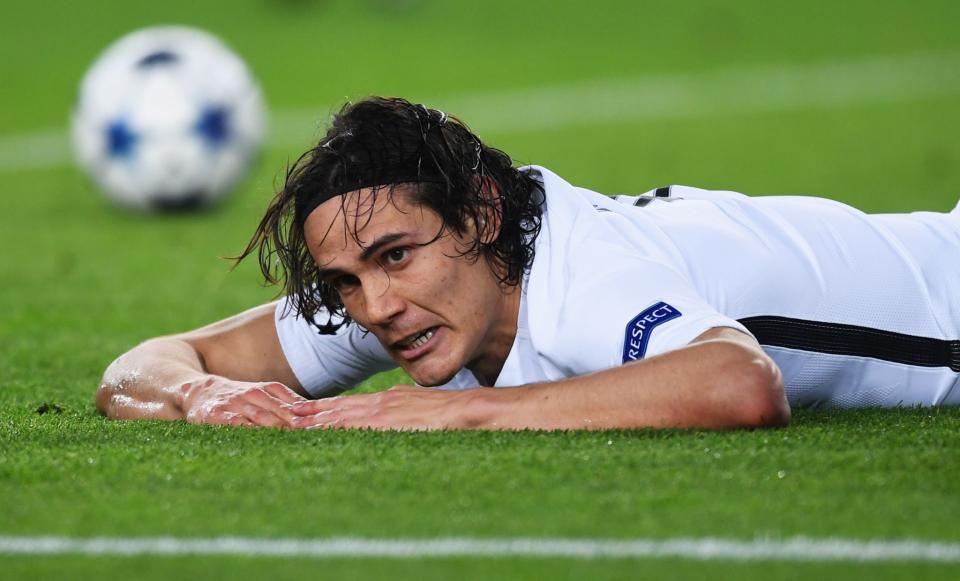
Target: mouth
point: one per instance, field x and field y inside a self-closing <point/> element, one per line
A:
<point x="417" y="344"/>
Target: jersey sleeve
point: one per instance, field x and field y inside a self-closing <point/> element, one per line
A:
<point x="326" y="365"/>
<point x="626" y="309"/>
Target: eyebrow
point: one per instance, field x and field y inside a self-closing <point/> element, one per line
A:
<point x="368" y="252"/>
<point x="379" y="243"/>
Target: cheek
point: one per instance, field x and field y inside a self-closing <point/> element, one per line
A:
<point x="466" y="291"/>
<point x="353" y="304"/>
<point x="435" y="276"/>
<point x="453" y="287"/>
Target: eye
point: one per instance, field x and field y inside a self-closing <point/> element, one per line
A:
<point x="395" y="256"/>
<point x="345" y="282"/>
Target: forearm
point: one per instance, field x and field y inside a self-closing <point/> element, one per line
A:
<point x="151" y="381"/>
<point x="713" y="385"/>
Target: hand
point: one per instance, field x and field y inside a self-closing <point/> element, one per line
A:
<point x="402" y="407"/>
<point x="216" y="400"/>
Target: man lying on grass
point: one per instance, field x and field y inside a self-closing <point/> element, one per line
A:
<point x="515" y="300"/>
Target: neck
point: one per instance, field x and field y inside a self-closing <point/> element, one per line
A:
<point x="498" y="342"/>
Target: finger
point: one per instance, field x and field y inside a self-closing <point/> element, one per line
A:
<point x="363" y="424"/>
<point x="358" y="417"/>
<point x="262" y="417"/>
<point x="316" y="420"/>
<point x="328" y="419"/>
<point x="233" y="419"/>
<point x="264" y="400"/>
<point x="355" y="417"/>
<point x="334" y="424"/>
<point x="283" y="393"/>
<point x="316" y="406"/>
<point x="365" y="402"/>
<point x="220" y="417"/>
<point x="385" y="423"/>
<point x="334" y="419"/>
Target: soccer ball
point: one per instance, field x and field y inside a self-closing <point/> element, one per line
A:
<point x="167" y="118"/>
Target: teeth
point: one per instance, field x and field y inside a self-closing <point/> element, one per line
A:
<point x="419" y="339"/>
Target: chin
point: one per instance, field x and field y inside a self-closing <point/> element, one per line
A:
<point x="431" y="377"/>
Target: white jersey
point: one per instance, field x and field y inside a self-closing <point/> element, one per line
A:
<point x="856" y="309"/>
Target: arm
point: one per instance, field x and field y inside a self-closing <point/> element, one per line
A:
<point x="722" y="380"/>
<point x="230" y="372"/>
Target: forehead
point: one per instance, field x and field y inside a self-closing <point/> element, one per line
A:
<point x="356" y="219"/>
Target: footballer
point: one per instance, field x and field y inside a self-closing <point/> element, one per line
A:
<point x="517" y="300"/>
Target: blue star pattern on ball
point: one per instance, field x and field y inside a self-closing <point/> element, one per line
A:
<point x="166" y="113"/>
<point x="214" y="126"/>
<point x="121" y="140"/>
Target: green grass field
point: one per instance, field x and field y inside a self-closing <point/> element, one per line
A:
<point x="81" y="281"/>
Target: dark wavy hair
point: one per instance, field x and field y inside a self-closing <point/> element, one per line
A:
<point x="381" y="143"/>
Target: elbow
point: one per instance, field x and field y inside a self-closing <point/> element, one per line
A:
<point x="765" y="404"/>
<point x="104" y="397"/>
<point x="756" y="394"/>
<point x="110" y="390"/>
<point x="107" y="399"/>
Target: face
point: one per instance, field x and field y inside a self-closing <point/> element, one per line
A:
<point x="434" y="310"/>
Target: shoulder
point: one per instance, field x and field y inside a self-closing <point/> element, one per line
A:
<point x="601" y="279"/>
<point x="327" y="364"/>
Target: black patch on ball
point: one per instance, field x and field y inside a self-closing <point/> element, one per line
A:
<point x="158" y="58"/>
<point x="187" y="203"/>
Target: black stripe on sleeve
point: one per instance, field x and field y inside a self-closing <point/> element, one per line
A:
<point x="663" y="192"/>
<point x="642" y="201"/>
<point x="839" y="339"/>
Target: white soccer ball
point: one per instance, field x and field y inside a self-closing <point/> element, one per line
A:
<point x="167" y="118"/>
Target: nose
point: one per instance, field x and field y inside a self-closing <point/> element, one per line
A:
<point x="382" y="302"/>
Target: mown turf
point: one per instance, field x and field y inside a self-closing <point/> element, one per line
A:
<point x="444" y="569"/>
<point x="61" y="472"/>
<point x="81" y="281"/>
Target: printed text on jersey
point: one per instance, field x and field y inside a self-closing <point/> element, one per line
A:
<point x="637" y="335"/>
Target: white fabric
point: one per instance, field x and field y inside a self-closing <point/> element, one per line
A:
<point x="587" y="282"/>
<point x="326" y="365"/>
<point x="714" y="257"/>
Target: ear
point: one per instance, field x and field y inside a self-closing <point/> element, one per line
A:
<point x="491" y="216"/>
